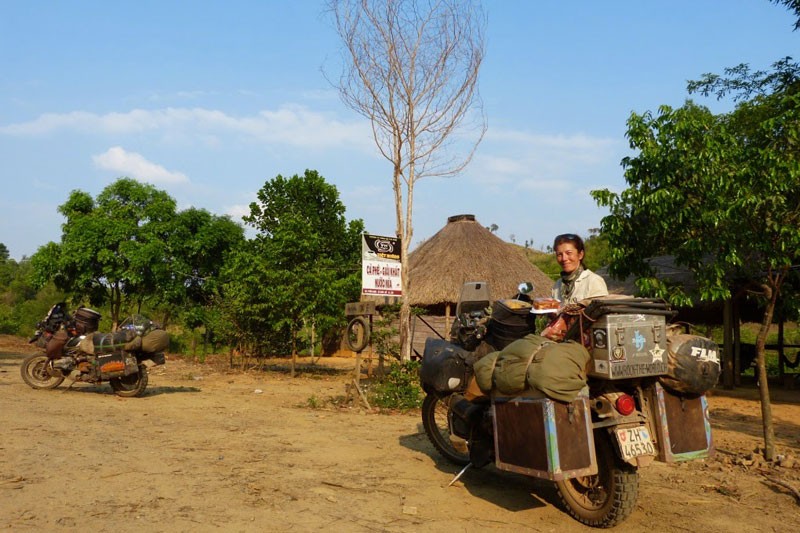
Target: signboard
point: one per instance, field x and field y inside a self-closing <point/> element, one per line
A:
<point x="380" y="266"/>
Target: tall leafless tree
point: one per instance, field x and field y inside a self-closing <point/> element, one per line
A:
<point x="411" y="67"/>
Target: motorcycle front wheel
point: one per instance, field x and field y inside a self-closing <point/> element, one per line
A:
<point x="132" y="385"/>
<point x="607" y="498"/>
<point x="36" y="372"/>
<point x="436" y="421"/>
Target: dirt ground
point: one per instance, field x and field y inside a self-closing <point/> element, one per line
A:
<point x="206" y="449"/>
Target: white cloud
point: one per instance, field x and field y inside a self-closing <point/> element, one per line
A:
<point x="236" y="212"/>
<point x="554" y="164"/>
<point x="289" y="125"/>
<point x="136" y="166"/>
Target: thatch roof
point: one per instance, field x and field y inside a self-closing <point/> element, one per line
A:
<point x="464" y="251"/>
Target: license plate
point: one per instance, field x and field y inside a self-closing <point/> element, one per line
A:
<point x="634" y="442"/>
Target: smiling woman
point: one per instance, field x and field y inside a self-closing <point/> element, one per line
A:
<point x="576" y="282"/>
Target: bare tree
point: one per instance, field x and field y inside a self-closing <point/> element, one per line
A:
<point x="411" y="67"/>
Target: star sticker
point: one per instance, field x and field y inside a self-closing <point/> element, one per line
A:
<point x="658" y="354"/>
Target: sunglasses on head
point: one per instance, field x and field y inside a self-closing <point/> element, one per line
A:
<point x="567" y="237"/>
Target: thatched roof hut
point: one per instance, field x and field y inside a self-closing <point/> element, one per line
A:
<point x="462" y="251"/>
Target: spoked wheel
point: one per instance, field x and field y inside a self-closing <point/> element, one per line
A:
<point x="436" y="421"/>
<point x="607" y="498"/>
<point x="131" y="385"/>
<point x="38" y="372"/>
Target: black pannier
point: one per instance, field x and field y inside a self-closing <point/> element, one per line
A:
<point x="445" y="366"/>
<point x="511" y="320"/>
<point x="89" y="319"/>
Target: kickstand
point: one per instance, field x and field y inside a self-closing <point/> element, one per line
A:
<point x="74" y="380"/>
<point x="458" y="476"/>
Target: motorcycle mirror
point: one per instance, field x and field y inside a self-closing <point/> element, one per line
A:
<point x="526" y="287"/>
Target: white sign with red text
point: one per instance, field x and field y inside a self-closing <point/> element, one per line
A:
<point x="381" y="272"/>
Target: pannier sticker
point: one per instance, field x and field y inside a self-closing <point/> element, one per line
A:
<point x="658" y="354"/>
<point x="638" y="340"/>
<point x="618" y="353"/>
<point x="600" y="366"/>
<point x="600" y="338"/>
<point x="704" y="354"/>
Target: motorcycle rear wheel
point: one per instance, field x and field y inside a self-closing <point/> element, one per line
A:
<point x="436" y="421"/>
<point x="34" y="371"/>
<point x="132" y="385"/>
<point x="607" y="498"/>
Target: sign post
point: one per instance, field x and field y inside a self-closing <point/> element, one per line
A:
<point x="381" y="272"/>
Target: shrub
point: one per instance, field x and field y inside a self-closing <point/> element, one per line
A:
<point x="400" y="387"/>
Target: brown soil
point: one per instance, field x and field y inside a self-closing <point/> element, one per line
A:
<point x="211" y="450"/>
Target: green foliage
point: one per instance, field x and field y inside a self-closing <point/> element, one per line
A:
<point x="794" y="7"/>
<point x="130" y="249"/>
<point x="400" y="388"/>
<point x="302" y="266"/>
<point x="719" y="192"/>
<point x="546" y="262"/>
<point x="113" y="249"/>
<point x="384" y="336"/>
<point x="598" y="251"/>
<point x="21" y="305"/>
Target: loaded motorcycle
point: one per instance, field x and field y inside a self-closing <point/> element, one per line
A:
<point x="639" y="396"/>
<point x="72" y="349"/>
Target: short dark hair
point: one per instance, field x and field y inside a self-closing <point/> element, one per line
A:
<point x="571" y="238"/>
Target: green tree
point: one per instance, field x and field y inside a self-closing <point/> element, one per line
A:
<point x="719" y="192"/>
<point x="199" y="244"/>
<point x="113" y="250"/>
<point x="793" y="6"/>
<point x="302" y="266"/>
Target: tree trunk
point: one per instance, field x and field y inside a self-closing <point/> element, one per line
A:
<point x="294" y="352"/>
<point x="761" y="370"/>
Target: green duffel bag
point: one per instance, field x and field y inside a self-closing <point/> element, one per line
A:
<point x="510" y="370"/>
<point x="559" y="370"/>
<point x="155" y="340"/>
<point x="483" y="369"/>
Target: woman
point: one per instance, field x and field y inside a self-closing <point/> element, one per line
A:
<point x="577" y="282"/>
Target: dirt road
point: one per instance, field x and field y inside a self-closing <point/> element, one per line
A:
<point x="209" y="450"/>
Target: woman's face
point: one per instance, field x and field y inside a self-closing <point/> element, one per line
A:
<point x="568" y="257"/>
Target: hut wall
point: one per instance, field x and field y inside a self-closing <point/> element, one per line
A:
<point x="421" y="331"/>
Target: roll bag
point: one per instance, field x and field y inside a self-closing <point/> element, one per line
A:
<point x="693" y="365"/>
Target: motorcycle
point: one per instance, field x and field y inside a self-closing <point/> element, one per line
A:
<point x="72" y="349"/>
<point x="641" y="396"/>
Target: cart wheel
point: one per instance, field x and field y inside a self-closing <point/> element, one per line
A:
<point x="357" y="336"/>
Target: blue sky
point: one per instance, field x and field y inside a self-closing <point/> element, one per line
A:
<point x="208" y="100"/>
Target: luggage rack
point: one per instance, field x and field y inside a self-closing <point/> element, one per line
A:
<point x="604" y="306"/>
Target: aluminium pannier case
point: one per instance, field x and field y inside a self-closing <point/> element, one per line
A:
<point x="628" y="345"/>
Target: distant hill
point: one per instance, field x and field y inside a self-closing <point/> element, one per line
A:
<point x="546" y="262"/>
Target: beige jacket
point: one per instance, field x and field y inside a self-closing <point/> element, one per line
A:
<point x="588" y="285"/>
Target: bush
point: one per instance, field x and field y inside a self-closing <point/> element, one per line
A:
<point x="400" y="388"/>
